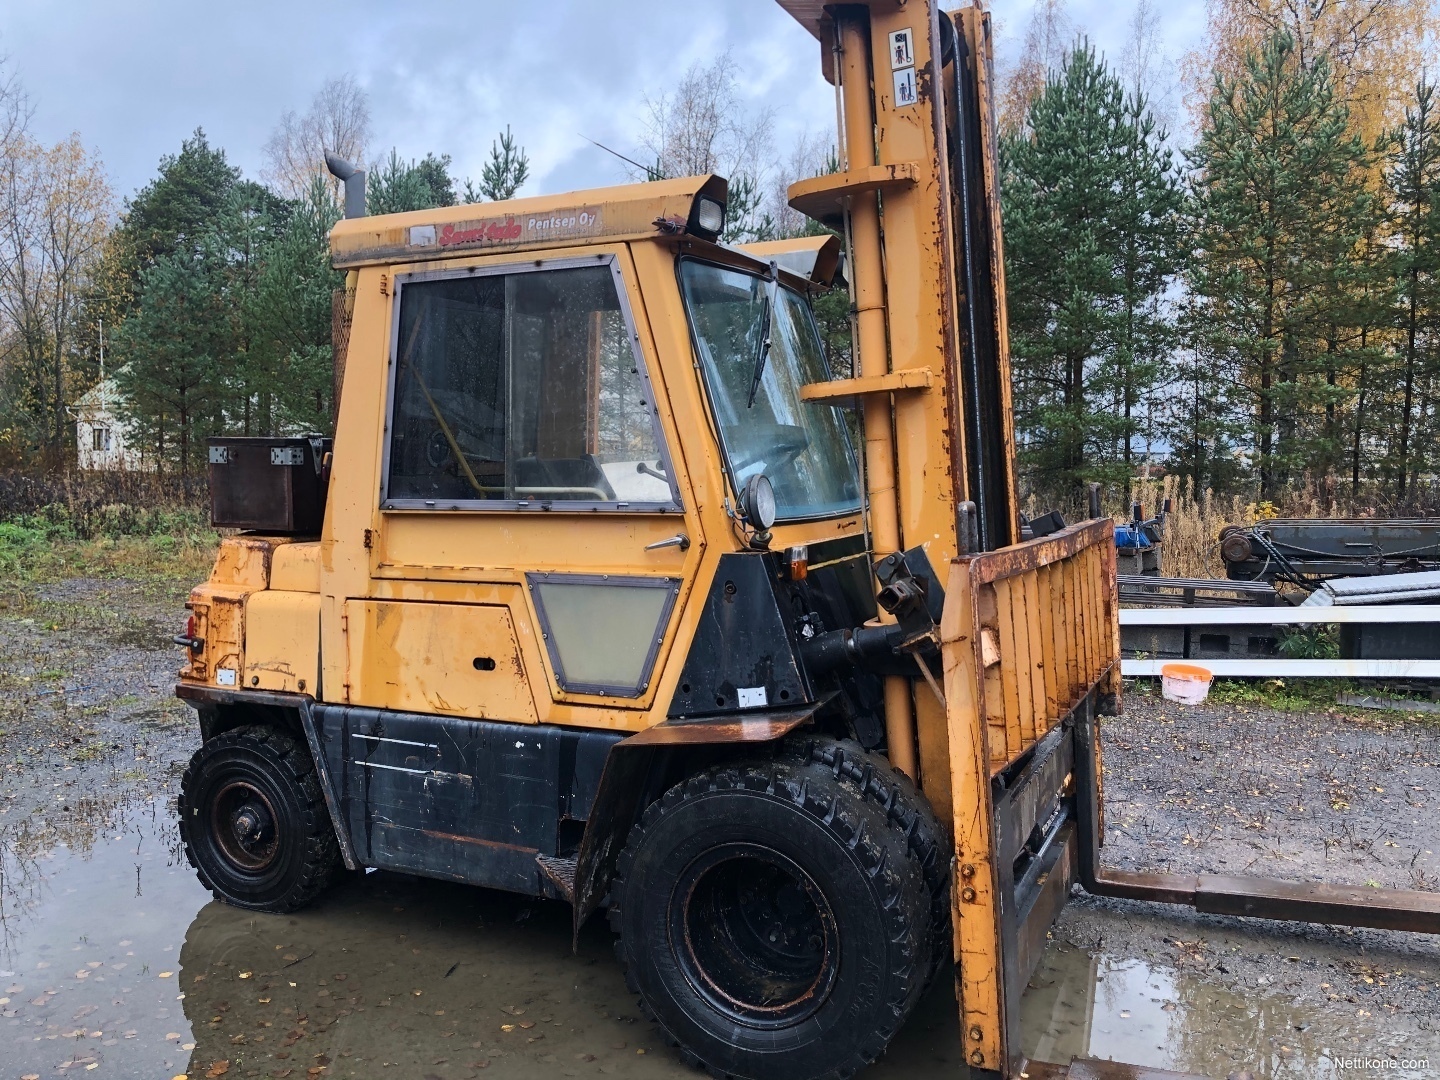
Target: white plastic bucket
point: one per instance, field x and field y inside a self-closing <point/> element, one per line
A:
<point x="1184" y="683"/>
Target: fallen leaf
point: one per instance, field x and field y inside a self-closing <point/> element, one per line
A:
<point x="507" y="1027"/>
<point x="246" y="974"/>
<point x="166" y="974"/>
<point x="526" y="1025"/>
<point x="341" y="977"/>
<point x="282" y="1072"/>
<point x="218" y="1068"/>
<point x="172" y="1035"/>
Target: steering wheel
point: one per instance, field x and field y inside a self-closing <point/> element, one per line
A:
<point x="784" y="443"/>
<point x="437" y="449"/>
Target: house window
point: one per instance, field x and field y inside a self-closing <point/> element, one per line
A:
<point x="99" y="438"/>
<point x="521" y="387"/>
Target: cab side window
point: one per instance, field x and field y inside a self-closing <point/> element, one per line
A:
<point x="521" y="388"/>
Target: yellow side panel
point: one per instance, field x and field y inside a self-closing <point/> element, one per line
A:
<point x="296" y="568"/>
<point x="282" y="642"/>
<point x="454" y="659"/>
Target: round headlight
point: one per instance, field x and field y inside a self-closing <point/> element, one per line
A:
<point x="757" y="502"/>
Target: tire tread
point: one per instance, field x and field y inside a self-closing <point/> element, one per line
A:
<point x="863" y="830"/>
<point x="322" y="850"/>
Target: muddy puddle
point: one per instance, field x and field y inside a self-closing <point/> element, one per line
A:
<point x="1082" y="1004"/>
<point x="115" y="962"/>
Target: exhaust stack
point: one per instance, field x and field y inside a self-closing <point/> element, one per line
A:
<point x="354" y="179"/>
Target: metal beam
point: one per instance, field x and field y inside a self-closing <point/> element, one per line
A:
<point x="1279" y="616"/>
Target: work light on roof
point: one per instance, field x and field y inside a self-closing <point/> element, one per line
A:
<point x="710" y="216"/>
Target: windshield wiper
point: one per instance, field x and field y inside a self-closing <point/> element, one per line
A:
<point x="762" y="349"/>
<point x="762" y="352"/>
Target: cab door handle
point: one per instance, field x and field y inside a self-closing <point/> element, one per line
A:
<point x="679" y="540"/>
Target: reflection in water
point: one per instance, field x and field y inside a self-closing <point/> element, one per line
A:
<point x="114" y="956"/>
<point x="94" y="899"/>
<point x="1082" y="1004"/>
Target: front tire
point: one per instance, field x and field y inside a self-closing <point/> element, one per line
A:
<point x="772" y="922"/>
<point x="254" y="821"/>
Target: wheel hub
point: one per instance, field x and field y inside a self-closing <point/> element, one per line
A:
<point x="755" y="935"/>
<point x="243" y="826"/>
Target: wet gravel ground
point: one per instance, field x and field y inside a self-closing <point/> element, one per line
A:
<point x="92" y="743"/>
<point x="1340" y="796"/>
<point x="87" y="677"/>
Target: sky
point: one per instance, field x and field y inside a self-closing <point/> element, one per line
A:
<point x="135" y="78"/>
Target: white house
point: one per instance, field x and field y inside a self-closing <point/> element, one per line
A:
<point x="103" y="440"/>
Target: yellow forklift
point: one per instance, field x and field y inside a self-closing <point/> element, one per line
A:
<point x="593" y="598"/>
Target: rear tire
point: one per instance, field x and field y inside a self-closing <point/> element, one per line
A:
<point x="772" y="923"/>
<point x="254" y="821"/>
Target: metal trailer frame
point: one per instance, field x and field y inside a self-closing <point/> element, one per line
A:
<point x="1282" y="667"/>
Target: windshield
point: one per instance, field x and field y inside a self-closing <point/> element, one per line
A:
<point x="801" y="446"/>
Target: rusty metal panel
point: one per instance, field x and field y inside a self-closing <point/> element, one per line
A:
<point x="975" y="913"/>
<point x="752" y="728"/>
<point x="449" y="659"/>
<point x="219" y="612"/>
<point x="283" y="642"/>
<point x="245" y="561"/>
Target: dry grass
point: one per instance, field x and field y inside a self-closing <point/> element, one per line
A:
<point x="1192" y="531"/>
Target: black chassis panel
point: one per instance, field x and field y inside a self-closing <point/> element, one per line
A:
<point x="469" y="800"/>
<point x="745" y="642"/>
<point x="750" y="636"/>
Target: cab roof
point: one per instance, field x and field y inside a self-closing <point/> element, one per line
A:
<point x="576" y="218"/>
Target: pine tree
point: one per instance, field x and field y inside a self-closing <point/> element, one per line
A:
<point x="1282" y="207"/>
<point x="1413" y="191"/>
<point x="174" y="344"/>
<point x="506" y="171"/>
<point x="174" y="211"/>
<point x="288" y="313"/>
<point x="1148" y="210"/>
<point x="396" y="186"/>
<point x="1091" y="206"/>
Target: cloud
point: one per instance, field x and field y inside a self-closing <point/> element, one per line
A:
<point x="136" y="79"/>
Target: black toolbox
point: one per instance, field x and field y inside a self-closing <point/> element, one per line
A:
<point x="274" y="485"/>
